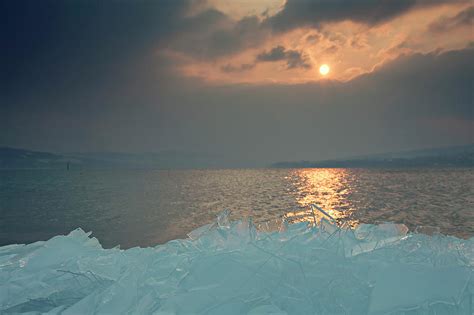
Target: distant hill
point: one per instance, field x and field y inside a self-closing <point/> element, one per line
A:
<point x="19" y="158"/>
<point x="12" y="158"/>
<point x="458" y="156"/>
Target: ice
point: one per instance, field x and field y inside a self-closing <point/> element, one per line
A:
<point x="231" y="267"/>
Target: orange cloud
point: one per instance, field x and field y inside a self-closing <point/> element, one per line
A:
<point x="290" y="57"/>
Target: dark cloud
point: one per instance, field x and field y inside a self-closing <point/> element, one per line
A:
<point x="293" y="58"/>
<point x="72" y="42"/>
<point x="313" y="13"/>
<point x="298" y="13"/>
<point x="241" y="68"/>
<point x="212" y="34"/>
<point x="463" y="18"/>
<point x="86" y="37"/>
<point x="50" y="42"/>
<point x="276" y="54"/>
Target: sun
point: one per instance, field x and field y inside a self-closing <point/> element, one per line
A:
<point x="324" y="69"/>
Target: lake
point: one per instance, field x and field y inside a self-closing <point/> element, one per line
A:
<point x="147" y="207"/>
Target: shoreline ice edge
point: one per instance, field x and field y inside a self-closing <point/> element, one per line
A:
<point x="230" y="267"/>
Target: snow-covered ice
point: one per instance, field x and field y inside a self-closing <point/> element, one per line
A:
<point x="231" y="267"/>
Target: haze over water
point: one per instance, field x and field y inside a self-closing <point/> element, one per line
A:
<point x="147" y="207"/>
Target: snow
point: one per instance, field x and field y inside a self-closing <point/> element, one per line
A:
<point x="234" y="268"/>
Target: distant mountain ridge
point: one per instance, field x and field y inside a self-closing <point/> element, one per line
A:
<point x="21" y="158"/>
<point x="13" y="158"/>
<point x="455" y="156"/>
<point x="438" y="151"/>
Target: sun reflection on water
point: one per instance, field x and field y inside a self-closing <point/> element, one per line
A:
<point x="327" y="188"/>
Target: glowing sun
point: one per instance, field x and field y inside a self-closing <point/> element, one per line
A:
<point x="324" y="69"/>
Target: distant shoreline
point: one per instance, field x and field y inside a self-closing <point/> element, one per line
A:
<point x="376" y="164"/>
<point x="12" y="158"/>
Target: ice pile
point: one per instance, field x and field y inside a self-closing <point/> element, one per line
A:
<point x="234" y="268"/>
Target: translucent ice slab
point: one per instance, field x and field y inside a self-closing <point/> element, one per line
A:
<point x="233" y="268"/>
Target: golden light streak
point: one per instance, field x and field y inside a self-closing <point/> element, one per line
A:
<point x="329" y="189"/>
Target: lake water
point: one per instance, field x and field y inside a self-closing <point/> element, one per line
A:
<point x="146" y="207"/>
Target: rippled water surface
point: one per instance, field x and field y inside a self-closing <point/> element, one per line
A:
<point x="146" y="207"/>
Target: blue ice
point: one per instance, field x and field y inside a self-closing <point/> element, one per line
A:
<point x="231" y="267"/>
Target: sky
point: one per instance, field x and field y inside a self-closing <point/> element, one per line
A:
<point x="240" y="79"/>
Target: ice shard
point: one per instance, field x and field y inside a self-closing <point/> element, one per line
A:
<point x="230" y="267"/>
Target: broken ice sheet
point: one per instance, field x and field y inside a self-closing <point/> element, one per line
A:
<point x="223" y="220"/>
<point x="230" y="267"/>
<point x="404" y="286"/>
<point x="200" y="231"/>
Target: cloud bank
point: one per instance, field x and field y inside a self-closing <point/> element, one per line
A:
<point x="135" y="77"/>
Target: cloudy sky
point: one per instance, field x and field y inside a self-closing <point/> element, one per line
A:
<point x="237" y="79"/>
